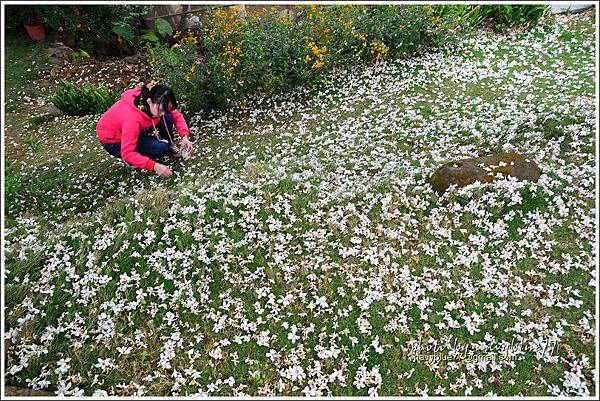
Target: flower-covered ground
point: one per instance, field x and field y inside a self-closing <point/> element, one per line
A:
<point x="301" y="251"/>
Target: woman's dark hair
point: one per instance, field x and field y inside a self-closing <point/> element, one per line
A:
<point x="160" y="94"/>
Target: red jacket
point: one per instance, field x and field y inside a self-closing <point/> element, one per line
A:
<point x="123" y="122"/>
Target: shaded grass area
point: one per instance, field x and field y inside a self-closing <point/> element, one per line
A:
<point x="26" y="63"/>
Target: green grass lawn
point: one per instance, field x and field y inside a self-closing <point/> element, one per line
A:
<point x="301" y="251"/>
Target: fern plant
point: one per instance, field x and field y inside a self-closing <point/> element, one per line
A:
<point x="84" y="100"/>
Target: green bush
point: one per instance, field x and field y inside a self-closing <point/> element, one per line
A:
<point x="80" y="101"/>
<point x="271" y="50"/>
<point x="130" y="36"/>
<point x="180" y="66"/>
<point x="371" y="33"/>
<point x="501" y="16"/>
<point x="240" y="54"/>
<point x="16" y="15"/>
<point x="89" y="27"/>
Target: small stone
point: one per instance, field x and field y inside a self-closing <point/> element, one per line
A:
<point x="484" y="169"/>
<point x="59" y="54"/>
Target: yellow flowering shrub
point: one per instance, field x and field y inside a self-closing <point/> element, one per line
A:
<point x="244" y="50"/>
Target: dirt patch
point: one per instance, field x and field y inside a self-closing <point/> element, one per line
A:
<point x="112" y="73"/>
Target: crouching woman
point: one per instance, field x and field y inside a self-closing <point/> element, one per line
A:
<point x="139" y="128"/>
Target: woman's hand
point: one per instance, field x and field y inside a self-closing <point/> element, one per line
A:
<point x="187" y="145"/>
<point x="162" y="170"/>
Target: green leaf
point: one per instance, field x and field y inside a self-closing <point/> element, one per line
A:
<point x="124" y="31"/>
<point x="149" y="36"/>
<point x="163" y="27"/>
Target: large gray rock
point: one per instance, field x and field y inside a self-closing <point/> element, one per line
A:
<point x="484" y="169"/>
